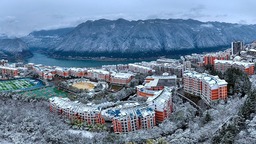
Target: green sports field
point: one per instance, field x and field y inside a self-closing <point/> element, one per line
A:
<point x="47" y="92"/>
<point x="12" y="85"/>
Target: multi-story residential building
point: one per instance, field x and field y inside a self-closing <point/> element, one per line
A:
<point x="130" y="116"/>
<point x="118" y="67"/>
<point x="187" y="65"/>
<point x="78" y="72"/>
<point x="223" y="65"/>
<point x="156" y="83"/>
<point x="30" y="66"/>
<point x="160" y="66"/>
<point x="62" y="72"/>
<point x="144" y="92"/>
<point x="44" y="72"/>
<point x="167" y="60"/>
<point x="137" y="68"/>
<point x="194" y="58"/>
<point x="208" y="87"/>
<point x="192" y="83"/>
<point x="3" y="62"/>
<point x="9" y="71"/>
<point x="109" y="67"/>
<point x="121" y="78"/>
<point x="161" y="103"/>
<point x="171" y="66"/>
<point x="236" y="47"/>
<point x="98" y="74"/>
<point x="122" y="67"/>
<point x="213" y="88"/>
<point x="209" y="58"/>
<point x="75" y="110"/>
<point x="48" y="76"/>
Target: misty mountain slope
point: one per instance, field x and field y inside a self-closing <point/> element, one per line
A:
<point x="12" y="45"/>
<point x="14" y="49"/>
<point x="46" y="38"/>
<point x="151" y="35"/>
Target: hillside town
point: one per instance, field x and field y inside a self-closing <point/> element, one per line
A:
<point x="198" y="94"/>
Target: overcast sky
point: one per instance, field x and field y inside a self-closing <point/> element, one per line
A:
<point x="19" y="17"/>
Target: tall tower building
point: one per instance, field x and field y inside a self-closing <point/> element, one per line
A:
<point x="236" y="47"/>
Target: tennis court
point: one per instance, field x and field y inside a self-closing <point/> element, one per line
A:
<point x="46" y="92"/>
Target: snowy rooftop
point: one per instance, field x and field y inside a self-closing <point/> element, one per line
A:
<point x="162" y="77"/>
<point x="245" y="64"/>
<point x="140" y="66"/>
<point x="160" y="100"/>
<point x="101" y="71"/>
<point x="76" y="106"/>
<point x="122" y="75"/>
<point x="44" y="69"/>
<point x="252" y="50"/>
<point x="9" y="68"/>
<point x="220" y="53"/>
<point x="61" y="69"/>
<point x="213" y="81"/>
<point x="143" y="89"/>
<point x="77" y="69"/>
<point x="129" y="109"/>
<point x="152" y="83"/>
<point x="166" y="60"/>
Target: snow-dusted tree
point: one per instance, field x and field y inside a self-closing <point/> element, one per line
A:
<point x="238" y="80"/>
<point x="207" y="118"/>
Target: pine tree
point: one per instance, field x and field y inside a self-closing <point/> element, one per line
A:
<point x="207" y="118"/>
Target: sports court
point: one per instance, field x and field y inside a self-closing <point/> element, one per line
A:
<point x="19" y="84"/>
<point x="46" y="93"/>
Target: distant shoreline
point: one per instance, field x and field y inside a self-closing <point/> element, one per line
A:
<point x="100" y="59"/>
<point x="115" y="56"/>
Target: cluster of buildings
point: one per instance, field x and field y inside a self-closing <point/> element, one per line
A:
<point x="75" y="110"/>
<point x="160" y="66"/>
<point x="157" y="89"/>
<point x="208" y="87"/>
<point x="211" y="57"/>
<point x="11" y="70"/>
<point x="130" y="116"/>
<point x="125" y="116"/>
<point x="153" y="84"/>
<point x="223" y="65"/>
<point x="48" y="72"/>
<point x="238" y="57"/>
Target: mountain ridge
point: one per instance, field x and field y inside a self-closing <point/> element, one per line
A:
<point x="103" y="37"/>
<point x="14" y="49"/>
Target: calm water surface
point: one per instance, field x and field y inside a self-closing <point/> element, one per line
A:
<point x="39" y="58"/>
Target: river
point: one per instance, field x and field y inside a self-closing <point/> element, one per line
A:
<point x="39" y="58"/>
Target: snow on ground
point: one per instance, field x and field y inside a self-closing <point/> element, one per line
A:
<point x="85" y="134"/>
<point x="5" y="142"/>
<point x="248" y="135"/>
<point x="253" y="80"/>
<point x="198" y="132"/>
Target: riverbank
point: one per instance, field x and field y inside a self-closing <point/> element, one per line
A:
<point x="40" y="58"/>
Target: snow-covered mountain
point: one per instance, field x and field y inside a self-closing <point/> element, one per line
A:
<point x="46" y="38"/>
<point x="14" y="49"/>
<point x="123" y="38"/>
